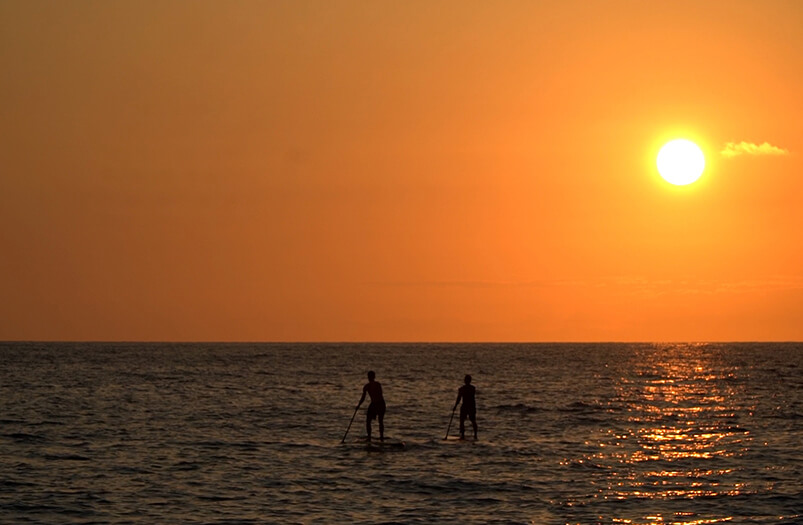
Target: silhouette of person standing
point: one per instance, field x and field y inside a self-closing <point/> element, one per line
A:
<point x="377" y="407"/>
<point x="467" y="393"/>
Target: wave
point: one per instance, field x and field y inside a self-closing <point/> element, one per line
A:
<point x="520" y="408"/>
<point x="66" y="457"/>
<point x="25" y="437"/>
<point x="581" y="406"/>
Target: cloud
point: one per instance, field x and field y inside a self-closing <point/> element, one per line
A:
<point x="467" y="284"/>
<point x="640" y="286"/>
<point x="733" y="149"/>
<point x="627" y="285"/>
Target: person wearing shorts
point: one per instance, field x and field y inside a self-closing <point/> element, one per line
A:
<point x="468" y="409"/>
<point x="376" y="410"/>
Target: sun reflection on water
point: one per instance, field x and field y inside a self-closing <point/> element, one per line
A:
<point x="682" y="440"/>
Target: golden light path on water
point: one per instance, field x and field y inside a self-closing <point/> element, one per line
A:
<point x="681" y="440"/>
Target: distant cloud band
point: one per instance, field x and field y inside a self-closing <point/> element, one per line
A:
<point x="629" y="285"/>
<point x="733" y="149"/>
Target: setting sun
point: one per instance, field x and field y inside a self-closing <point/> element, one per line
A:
<point x="680" y="162"/>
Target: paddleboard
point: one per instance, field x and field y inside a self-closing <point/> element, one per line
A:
<point x="377" y="444"/>
<point x="457" y="439"/>
<point x="386" y="445"/>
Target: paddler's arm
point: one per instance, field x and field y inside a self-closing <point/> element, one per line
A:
<point x="459" y="397"/>
<point x="361" y="399"/>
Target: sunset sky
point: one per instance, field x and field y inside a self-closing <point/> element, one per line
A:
<point x="399" y="170"/>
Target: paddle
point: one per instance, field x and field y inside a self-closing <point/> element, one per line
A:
<point x="350" y="422"/>
<point x="450" y="423"/>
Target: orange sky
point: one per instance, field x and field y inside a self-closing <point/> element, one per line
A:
<point x="398" y="171"/>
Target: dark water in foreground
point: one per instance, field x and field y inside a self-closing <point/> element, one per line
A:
<point x="212" y="433"/>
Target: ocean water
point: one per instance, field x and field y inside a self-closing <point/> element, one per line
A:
<point x="251" y="433"/>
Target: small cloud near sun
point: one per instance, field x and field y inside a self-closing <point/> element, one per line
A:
<point x="734" y="149"/>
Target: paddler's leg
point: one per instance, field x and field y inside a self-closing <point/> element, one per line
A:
<point x="381" y="415"/>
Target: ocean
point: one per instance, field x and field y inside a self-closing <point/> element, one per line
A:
<point x="251" y="433"/>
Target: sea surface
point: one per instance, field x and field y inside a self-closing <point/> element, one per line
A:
<point x="251" y="433"/>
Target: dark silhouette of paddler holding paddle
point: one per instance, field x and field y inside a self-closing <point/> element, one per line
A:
<point x="376" y="410"/>
<point x="466" y="393"/>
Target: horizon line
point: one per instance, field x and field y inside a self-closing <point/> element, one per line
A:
<point x="405" y="342"/>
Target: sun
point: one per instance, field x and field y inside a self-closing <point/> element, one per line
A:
<point x="680" y="162"/>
